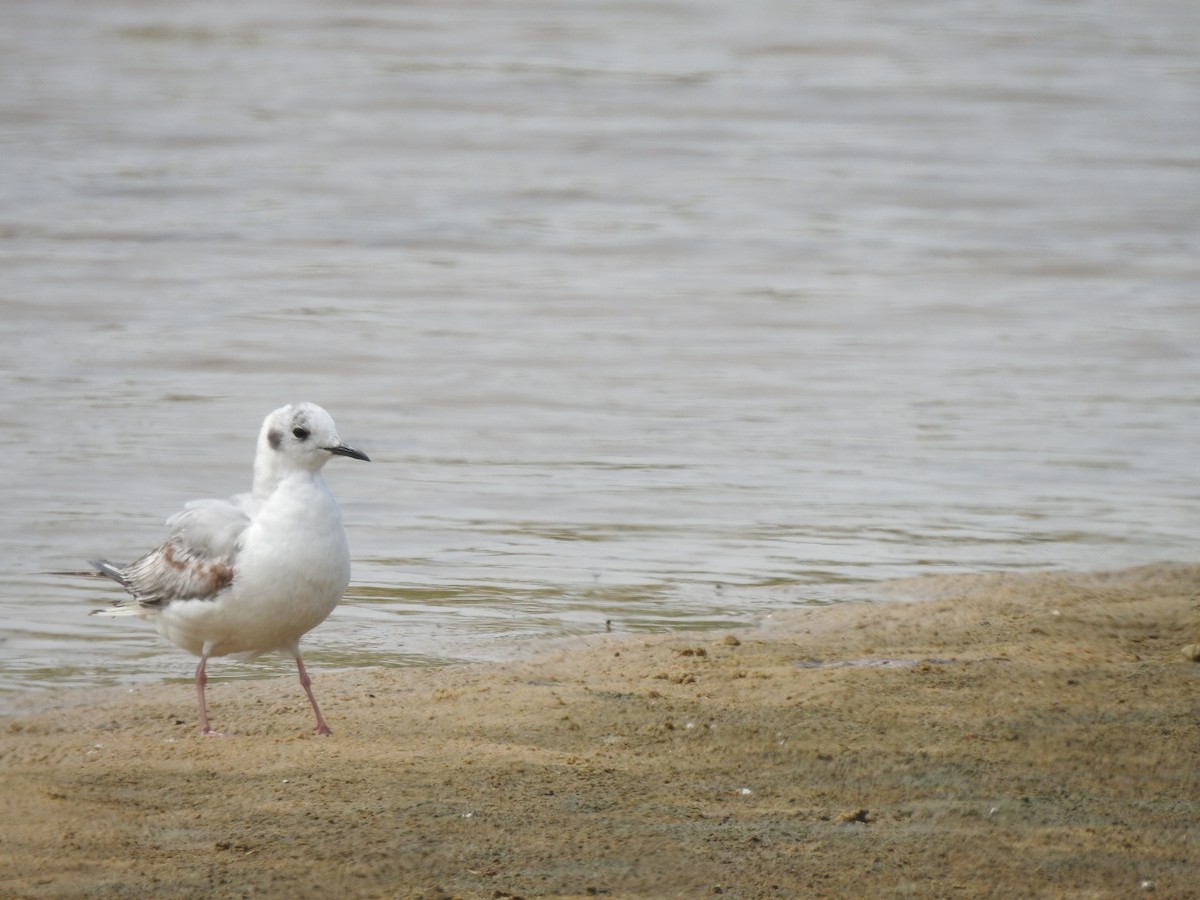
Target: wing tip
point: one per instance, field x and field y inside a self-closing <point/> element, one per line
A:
<point x="104" y="567"/>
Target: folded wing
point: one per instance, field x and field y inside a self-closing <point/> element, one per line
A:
<point x="196" y="562"/>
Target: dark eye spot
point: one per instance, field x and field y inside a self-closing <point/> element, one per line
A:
<point x="301" y="434"/>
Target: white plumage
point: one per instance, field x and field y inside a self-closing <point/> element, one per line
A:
<point x="254" y="573"/>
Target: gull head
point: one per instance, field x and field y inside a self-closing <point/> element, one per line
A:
<point x="301" y="436"/>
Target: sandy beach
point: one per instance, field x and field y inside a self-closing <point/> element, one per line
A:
<point x="995" y="735"/>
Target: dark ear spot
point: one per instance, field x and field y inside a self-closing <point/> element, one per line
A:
<point x="274" y="438"/>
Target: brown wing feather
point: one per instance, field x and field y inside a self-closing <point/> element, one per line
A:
<point x="175" y="572"/>
<point x="195" y="562"/>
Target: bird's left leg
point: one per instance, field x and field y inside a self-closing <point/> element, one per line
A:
<point x="306" y="683"/>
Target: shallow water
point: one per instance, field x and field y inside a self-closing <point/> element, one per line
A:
<point x="650" y="315"/>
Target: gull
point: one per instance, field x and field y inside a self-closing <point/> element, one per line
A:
<point x="255" y="573"/>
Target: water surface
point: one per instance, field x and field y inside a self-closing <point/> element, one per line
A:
<point x="650" y="315"/>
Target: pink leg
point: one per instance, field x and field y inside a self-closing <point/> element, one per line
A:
<point x="201" y="681"/>
<point x="306" y="683"/>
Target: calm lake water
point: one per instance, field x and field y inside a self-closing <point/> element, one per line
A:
<point x="663" y="313"/>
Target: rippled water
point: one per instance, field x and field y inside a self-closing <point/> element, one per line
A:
<point x="657" y="314"/>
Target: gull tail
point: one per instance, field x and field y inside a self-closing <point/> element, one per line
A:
<point x="126" y="606"/>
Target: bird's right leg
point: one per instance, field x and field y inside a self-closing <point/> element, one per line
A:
<point x="201" y="680"/>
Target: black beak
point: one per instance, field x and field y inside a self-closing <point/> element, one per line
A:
<point x="343" y="450"/>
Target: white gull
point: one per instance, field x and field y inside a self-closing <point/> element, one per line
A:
<point x="255" y="573"/>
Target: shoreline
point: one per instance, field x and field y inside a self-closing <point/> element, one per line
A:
<point x="1030" y="734"/>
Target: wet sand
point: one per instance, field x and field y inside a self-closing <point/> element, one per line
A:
<point x="1008" y="735"/>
